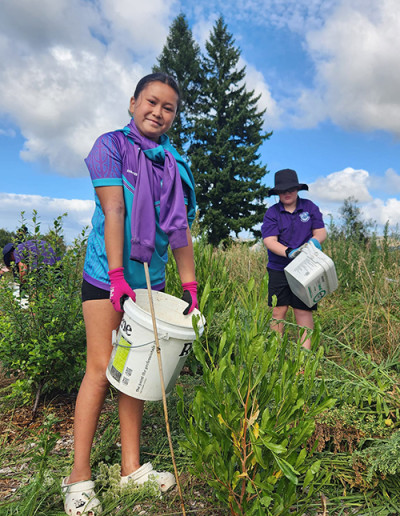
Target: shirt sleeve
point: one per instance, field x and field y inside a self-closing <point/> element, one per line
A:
<point x="317" y="220"/>
<point x="104" y="161"/>
<point x="270" y="223"/>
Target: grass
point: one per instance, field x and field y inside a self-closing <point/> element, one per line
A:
<point x="360" y="324"/>
<point x="26" y="489"/>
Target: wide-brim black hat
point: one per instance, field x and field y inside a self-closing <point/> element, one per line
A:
<point x="285" y="180"/>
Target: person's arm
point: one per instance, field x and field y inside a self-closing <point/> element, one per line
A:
<point x="22" y="270"/>
<point x="113" y="206"/>
<point x="272" y="244"/>
<point x="184" y="259"/>
<point x="320" y="234"/>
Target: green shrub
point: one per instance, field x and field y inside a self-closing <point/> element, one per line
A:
<point x="42" y="339"/>
<point x="248" y="426"/>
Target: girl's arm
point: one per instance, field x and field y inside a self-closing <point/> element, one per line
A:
<point x="184" y="259"/>
<point x="113" y="206"/>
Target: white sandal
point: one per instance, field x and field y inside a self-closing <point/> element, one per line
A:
<point x="80" y="498"/>
<point x="164" y="479"/>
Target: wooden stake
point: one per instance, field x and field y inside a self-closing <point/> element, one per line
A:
<point x="164" y="397"/>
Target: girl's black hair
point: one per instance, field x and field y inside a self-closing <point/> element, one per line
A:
<point x="160" y="77"/>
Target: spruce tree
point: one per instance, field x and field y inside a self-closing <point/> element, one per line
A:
<point x="227" y="137"/>
<point x="181" y="58"/>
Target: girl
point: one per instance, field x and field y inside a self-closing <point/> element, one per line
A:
<point x="145" y="201"/>
<point x="288" y="225"/>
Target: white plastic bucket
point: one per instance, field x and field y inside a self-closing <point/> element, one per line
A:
<point x="133" y="367"/>
<point x="311" y="275"/>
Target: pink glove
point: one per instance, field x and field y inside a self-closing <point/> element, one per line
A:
<point x="119" y="289"/>
<point x="190" y="296"/>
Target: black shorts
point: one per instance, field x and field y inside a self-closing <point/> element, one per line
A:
<point x="90" y="292"/>
<point x="279" y="287"/>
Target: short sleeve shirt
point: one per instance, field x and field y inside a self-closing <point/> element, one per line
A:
<point x="35" y="253"/>
<point x="106" y="167"/>
<point x="292" y="229"/>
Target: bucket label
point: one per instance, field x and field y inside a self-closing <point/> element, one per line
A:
<point x="126" y="327"/>
<point x="121" y="355"/>
<point x="319" y="296"/>
<point x="143" y="376"/>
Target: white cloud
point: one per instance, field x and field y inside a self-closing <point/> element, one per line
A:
<point x="69" y="68"/>
<point x="297" y="15"/>
<point x="389" y="183"/>
<point x="204" y="23"/>
<point x="8" y="132"/>
<point x="383" y="211"/>
<point x="357" y="81"/>
<point x="353" y="46"/>
<point x="255" y="81"/>
<point x="338" y="186"/>
<point x="330" y="192"/>
<point x="79" y="212"/>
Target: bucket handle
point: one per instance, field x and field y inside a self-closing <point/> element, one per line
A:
<point x="115" y="342"/>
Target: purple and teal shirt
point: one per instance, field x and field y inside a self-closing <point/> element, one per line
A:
<point x="108" y="167"/>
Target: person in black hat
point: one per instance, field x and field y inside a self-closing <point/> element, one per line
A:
<point x="287" y="226"/>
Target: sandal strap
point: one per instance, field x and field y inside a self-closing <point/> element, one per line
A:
<point x="141" y="473"/>
<point x="76" y="487"/>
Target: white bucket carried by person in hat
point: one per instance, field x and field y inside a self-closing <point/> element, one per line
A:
<point x="133" y="367"/>
<point x="311" y="275"/>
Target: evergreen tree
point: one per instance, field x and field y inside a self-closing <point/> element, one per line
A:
<point x="353" y="226"/>
<point x="181" y="58"/>
<point x="228" y="135"/>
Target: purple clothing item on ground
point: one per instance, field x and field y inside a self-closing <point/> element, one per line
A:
<point x="292" y="229"/>
<point x="35" y="253"/>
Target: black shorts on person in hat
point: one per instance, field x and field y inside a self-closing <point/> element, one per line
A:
<point x="279" y="287"/>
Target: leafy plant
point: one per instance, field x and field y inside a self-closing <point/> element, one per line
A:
<point x="42" y="338"/>
<point x="247" y="427"/>
<point x="381" y="458"/>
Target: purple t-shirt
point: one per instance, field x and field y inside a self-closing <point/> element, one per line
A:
<point x="35" y="253"/>
<point x="292" y="229"/>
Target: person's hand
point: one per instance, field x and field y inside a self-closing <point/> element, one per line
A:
<point x="316" y="243"/>
<point x="292" y="253"/>
<point x="190" y="296"/>
<point x="119" y="289"/>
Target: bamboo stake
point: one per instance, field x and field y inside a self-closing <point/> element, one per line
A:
<point x="164" y="397"/>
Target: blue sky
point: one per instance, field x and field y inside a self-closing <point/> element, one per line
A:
<point x="327" y="72"/>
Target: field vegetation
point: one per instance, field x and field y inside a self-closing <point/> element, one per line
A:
<point x="259" y="425"/>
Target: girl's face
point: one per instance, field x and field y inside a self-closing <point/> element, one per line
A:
<point x="154" y="110"/>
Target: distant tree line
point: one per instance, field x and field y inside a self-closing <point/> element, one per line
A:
<point x="218" y="129"/>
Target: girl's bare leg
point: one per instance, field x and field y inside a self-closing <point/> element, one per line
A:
<point x="100" y="320"/>
<point x="130" y="417"/>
